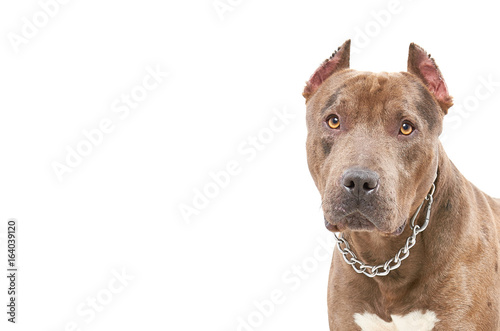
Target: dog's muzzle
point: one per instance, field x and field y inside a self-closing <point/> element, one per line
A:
<point x="403" y="253"/>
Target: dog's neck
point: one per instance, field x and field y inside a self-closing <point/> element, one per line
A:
<point x="374" y="248"/>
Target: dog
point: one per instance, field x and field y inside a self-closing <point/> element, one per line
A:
<point x="418" y="244"/>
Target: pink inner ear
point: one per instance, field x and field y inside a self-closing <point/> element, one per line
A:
<point x="338" y="60"/>
<point x="432" y="76"/>
<point x="322" y="73"/>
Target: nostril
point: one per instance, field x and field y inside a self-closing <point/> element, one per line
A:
<point x="350" y="184"/>
<point x="368" y="186"/>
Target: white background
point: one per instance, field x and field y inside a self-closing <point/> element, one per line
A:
<point x="119" y="208"/>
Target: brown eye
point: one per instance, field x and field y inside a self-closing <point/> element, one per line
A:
<point x="334" y="122"/>
<point x="406" y="128"/>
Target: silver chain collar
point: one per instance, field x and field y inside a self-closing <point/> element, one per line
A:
<point x="403" y="253"/>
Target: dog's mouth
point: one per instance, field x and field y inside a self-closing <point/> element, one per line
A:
<point x="356" y="221"/>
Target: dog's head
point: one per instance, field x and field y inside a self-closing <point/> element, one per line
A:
<point x="372" y="143"/>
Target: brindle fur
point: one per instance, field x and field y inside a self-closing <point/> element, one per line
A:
<point x="453" y="268"/>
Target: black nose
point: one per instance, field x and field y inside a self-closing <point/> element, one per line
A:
<point x="359" y="181"/>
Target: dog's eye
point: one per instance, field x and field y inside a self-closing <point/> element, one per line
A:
<point x="406" y="128"/>
<point x="333" y="122"/>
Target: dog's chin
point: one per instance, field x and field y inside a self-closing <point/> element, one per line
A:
<point x="358" y="222"/>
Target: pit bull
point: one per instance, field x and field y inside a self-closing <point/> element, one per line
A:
<point x="417" y="243"/>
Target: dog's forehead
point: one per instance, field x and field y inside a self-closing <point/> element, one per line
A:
<point x="366" y="88"/>
<point x="379" y="94"/>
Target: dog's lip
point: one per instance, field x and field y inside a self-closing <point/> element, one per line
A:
<point x="399" y="230"/>
<point x="341" y="226"/>
<point x="362" y="223"/>
<point x="333" y="227"/>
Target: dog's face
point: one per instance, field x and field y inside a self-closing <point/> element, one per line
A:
<point x="373" y="140"/>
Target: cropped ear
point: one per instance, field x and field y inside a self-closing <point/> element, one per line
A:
<point x="424" y="67"/>
<point x="338" y="61"/>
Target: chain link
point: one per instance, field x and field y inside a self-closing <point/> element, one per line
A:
<point x="402" y="254"/>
